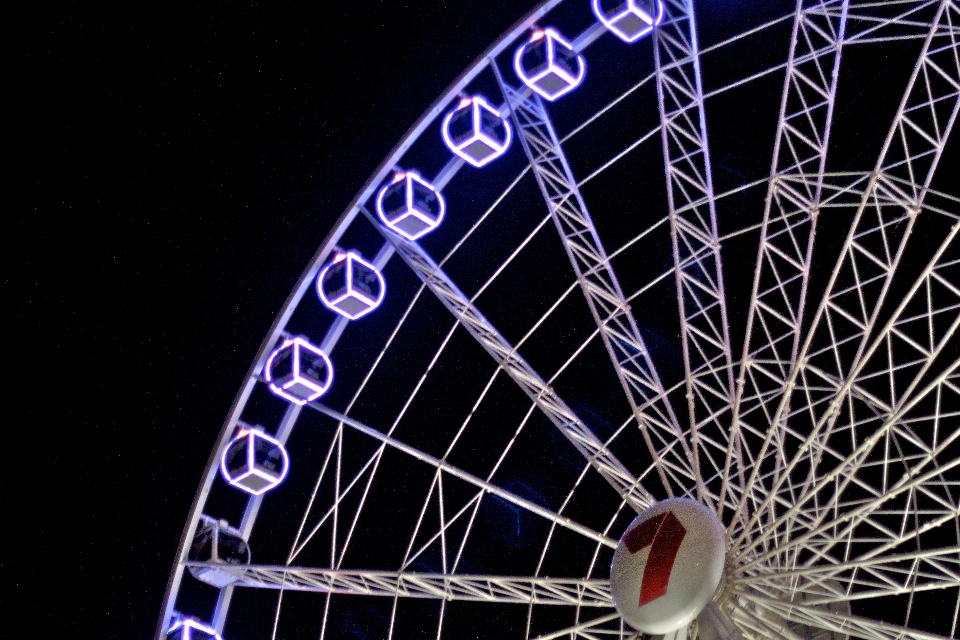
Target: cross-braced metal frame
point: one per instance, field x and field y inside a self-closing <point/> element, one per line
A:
<point x="825" y="434"/>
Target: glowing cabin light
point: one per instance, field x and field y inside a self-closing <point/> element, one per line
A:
<point x="190" y="629"/>
<point x="298" y="371"/>
<point x="476" y="132"/>
<point x="254" y="462"/>
<point x="629" y="20"/>
<point x="410" y="206"/>
<point x="549" y="65"/>
<point x="218" y="545"/>
<point x="351" y="286"/>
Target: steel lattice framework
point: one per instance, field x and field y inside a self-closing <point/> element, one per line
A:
<point x="767" y="323"/>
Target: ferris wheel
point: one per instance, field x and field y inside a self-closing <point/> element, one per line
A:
<point x="648" y="327"/>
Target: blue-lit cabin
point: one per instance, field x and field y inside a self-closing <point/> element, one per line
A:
<point x="410" y="205"/>
<point x="549" y="65"/>
<point x="298" y="371"/>
<point x="254" y="462"/>
<point x="629" y="20"/>
<point x="189" y="629"/>
<point x="217" y="543"/>
<point x="476" y="132"/>
<point x="351" y="286"/>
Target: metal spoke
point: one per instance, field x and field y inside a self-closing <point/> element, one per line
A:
<point x="480" y="483"/>
<point x="585" y="441"/>
<point x="499" y="589"/>
<point x="874" y="245"/>
<point x="894" y="574"/>
<point x="789" y="222"/>
<point x="824" y="618"/>
<point x="611" y="312"/>
<point x="887" y="21"/>
<point x="693" y="220"/>
<point x="894" y="377"/>
<point x="583" y="628"/>
<point x="923" y="469"/>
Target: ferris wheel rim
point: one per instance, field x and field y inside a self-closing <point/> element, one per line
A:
<point x="305" y="282"/>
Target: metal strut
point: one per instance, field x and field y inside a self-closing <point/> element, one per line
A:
<point x="696" y="243"/>
<point x="500" y="589"/>
<point x="790" y="215"/>
<point x="631" y="359"/>
<point x="848" y="314"/>
<point x="529" y="381"/>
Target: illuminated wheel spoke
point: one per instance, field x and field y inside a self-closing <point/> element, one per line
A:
<point x="442" y="466"/>
<point x="875" y="244"/>
<point x="890" y="371"/>
<point x="693" y="219"/>
<point x="892" y="574"/>
<point x="610" y="310"/>
<point x="517" y="368"/>
<point x="921" y="476"/>
<point x="789" y="224"/>
<point x="821" y="618"/>
<point x="497" y="589"/>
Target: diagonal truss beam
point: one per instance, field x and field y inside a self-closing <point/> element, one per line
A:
<point x="889" y="372"/>
<point x="500" y="589"/>
<point x="557" y="411"/>
<point x="608" y="305"/>
<point x="789" y="219"/>
<point x="582" y="629"/>
<point x="446" y="467"/>
<point x="889" y="20"/>
<point x="918" y="570"/>
<point x="924" y="470"/>
<point x="887" y="379"/>
<point x="824" y="618"/>
<point x="874" y="246"/>
<point x="696" y="244"/>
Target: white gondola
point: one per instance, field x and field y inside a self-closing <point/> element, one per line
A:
<point x="190" y="629"/>
<point x="410" y="205"/>
<point x="351" y="286"/>
<point x="254" y="461"/>
<point x="298" y="371"/>
<point x="217" y="543"/>
<point x="476" y="131"/>
<point x="629" y="20"/>
<point x="549" y="65"/>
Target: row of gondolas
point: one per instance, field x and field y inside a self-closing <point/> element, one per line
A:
<point x="410" y="207"/>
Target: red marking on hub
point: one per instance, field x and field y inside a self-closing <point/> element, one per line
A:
<point x="663" y="534"/>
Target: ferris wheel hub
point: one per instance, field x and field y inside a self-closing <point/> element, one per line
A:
<point x="668" y="565"/>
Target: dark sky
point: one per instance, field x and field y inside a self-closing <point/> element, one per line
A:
<point x="180" y="164"/>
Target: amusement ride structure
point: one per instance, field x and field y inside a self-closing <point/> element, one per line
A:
<point x="648" y="327"/>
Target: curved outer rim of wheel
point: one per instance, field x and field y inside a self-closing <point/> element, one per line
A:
<point x="305" y="284"/>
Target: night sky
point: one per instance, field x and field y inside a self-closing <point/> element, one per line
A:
<point x="181" y="164"/>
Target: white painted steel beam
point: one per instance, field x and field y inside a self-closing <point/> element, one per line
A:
<point x="696" y="245"/>
<point x="557" y="411"/>
<point x="788" y="231"/>
<point x="480" y="483"/>
<point x="608" y="305"/>
<point x="861" y="578"/>
<point x="824" y="618"/>
<point x="498" y="589"/>
<point x="873" y="248"/>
